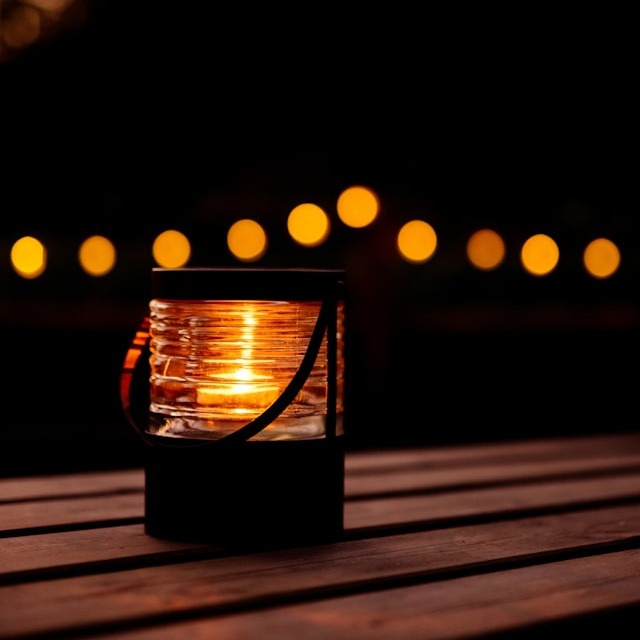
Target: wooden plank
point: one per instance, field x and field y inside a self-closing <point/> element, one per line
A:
<point x="224" y="584"/>
<point x="77" y="548"/>
<point x="487" y="473"/>
<point x="70" y="512"/>
<point x="586" y="449"/>
<point x="576" y="455"/>
<point x="22" y="488"/>
<point x="506" y="602"/>
<point x="72" y="548"/>
<point x="500" y="501"/>
<point x="428" y="508"/>
<point x="564" y="448"/>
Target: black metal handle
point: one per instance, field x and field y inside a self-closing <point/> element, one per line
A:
<point x="134" y="362"/>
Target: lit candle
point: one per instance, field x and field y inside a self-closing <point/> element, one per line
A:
<point x="248" y="393"/>
<point x="242" y="390"/>
<point x="217" y="364"/>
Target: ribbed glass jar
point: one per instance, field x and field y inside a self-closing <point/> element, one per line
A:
<point x="218" y="364"/>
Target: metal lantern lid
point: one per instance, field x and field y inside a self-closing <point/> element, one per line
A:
<point x="245" y="283"/>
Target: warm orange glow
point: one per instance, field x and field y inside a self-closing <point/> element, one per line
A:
<point x="247" y="240"/>
<point x="51" y="6"/>
<point x="97" y="256"/>
<point x="131" y="357"/>
<point x="171" y="249"/>
<point x="539" y="255"/>
<point x="601" y="258"/>
<point x="25" y="23"/>
<point x="28" y="257"/>
<point x="239" y="398"/>
<point x="358" y="206"/>
<point x="308" y="225"/>
<point x="485" y="249"/>
<point x="21" y="27"/>
<point x="242" y="389"/>
<point x="417" y="241"/>
<point x="235" y="362"/>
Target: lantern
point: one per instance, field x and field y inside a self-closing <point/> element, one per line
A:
<point x="243" y="410"/>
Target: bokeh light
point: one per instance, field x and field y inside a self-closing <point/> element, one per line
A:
<point x="308" y="224"/>
<point x="171" y="249"/>
<point x="601" y="258"/>
<point x="358" y="206"/>
<point x="97" y="255"/>
<point x="416" y="241"/>
<point x="539" y="255"/>
<point x="486" y="249"/>
<point x="26" y="24"/>
<point x="22" y="27"/>
<point x="247" y="240"/>
<point x="28" y="257"/>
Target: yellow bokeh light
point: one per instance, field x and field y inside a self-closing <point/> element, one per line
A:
<point x="358" y="206"/>
<point x="247" y="240"/>
<point x="486" y="249"/>
<point x="308" y="224"/>
<point x="416" y="241"/>
<point x="171" y="249"/>
<point x="28" y="257"/>
<point x="539" y="255"/>
<point x="601" y="258"/>
<point x="97" y="255"/>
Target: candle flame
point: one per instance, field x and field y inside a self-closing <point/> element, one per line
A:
<point x="242" y="389"/>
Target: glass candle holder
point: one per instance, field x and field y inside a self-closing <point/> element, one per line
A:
<point x="218" y="364"/>
<point x="245" y="405"/>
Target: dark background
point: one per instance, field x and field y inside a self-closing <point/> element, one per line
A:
<point x="186" y="115"/>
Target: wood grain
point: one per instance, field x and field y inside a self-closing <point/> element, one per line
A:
<point x="456" y="542"/>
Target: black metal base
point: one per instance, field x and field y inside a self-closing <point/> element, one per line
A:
<point x="253" y="494"/>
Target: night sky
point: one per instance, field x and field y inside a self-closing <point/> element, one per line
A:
<point x="467" y="117"/>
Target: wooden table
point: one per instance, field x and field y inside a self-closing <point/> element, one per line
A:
<point x="496" y="539"/>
